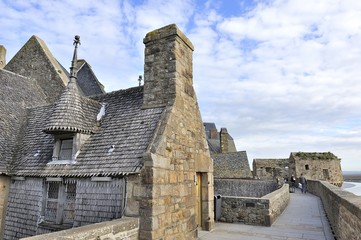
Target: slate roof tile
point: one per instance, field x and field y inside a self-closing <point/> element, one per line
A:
<point x="231" y="165"/>
<point x="115" y="147"/>
<point x="17" y="93"/>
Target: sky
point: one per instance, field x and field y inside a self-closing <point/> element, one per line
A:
<point x="282" y="76"/>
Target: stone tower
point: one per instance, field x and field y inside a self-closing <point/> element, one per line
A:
<point x="2" y="56"/>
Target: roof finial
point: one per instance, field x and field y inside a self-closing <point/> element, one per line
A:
<point x="140" y="80"/>
<point x="73" y="62"/>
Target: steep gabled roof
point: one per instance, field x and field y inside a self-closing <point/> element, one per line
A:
<point x="231" y="165"/>
<point x="116" y="147"/>
<point x="17" y="93"/>
<point x="34" y="60"/>
<point x="87" y="80"/>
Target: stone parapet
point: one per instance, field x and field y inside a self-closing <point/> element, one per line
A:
<point x="125" y="228"/>
<point x="244" y="187"/>
<point x="255" y="211"/>
<point x="343" y="209"/>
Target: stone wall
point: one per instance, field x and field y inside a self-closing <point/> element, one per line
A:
<point x="343" y="209"/>
<point x="177" y="194"/>
<point x="255" y="211"/>
<point x="270" y="168"/>
<point x="120" y="229"/>
<point x="242" y="187"/>
<point x="4" y="193"/>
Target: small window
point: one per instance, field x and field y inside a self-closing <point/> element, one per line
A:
<point x="268" y="169"/>
<point x="66" y="149"/>
<point x="307" y="167"/>
<point x="325" y="174"/>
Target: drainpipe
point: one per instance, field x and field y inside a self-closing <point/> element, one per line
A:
<point x="125" y="193"/>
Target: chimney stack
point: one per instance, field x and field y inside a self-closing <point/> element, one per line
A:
<point x="168" y="67"/>
<point x="2" y="56"/>
<point x="224" y="140"/>
<point x="213" y="133"/>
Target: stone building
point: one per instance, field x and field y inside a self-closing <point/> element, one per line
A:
<point x="270" y="168"/>
<point x="317" y="165"/>
<point x="76" y="155"/>
<point x="314" y="165"/>
<point x="227" y="161"/>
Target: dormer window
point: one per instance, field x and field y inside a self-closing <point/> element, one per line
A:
<point x="64" y="149"/>
<point x="67" y="147"/>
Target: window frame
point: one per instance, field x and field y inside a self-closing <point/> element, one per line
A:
<point x="59" y="141"/>
<point x="62" y="203"/>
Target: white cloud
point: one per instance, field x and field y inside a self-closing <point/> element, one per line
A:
<point x="281" y="75"/>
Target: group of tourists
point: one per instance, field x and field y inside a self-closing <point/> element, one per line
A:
<point x="302" y="183"/>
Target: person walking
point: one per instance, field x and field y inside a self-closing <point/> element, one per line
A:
<point x="303" y="181"/>
<point x="293" y="183"/>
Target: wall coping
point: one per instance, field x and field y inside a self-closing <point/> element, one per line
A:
<point x="349" y="200"/>
<point x="92" y="231"/>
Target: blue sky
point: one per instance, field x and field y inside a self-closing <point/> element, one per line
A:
<point x="282" y="76"/>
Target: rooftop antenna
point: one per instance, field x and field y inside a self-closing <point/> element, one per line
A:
<point x="75" y="56"/>
<point x="140" y="80"/>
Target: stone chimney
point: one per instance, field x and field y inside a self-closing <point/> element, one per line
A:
<point x="224" y="140"/>
<point x="2" y="56"/>
<point x="168" y="67"/>
<point x="213" y="134"/>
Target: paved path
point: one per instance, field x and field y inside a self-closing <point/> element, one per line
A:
<point x="304" y="218"/>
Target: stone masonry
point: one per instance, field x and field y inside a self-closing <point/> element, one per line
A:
<point x="179" y="151"/>
<point x="317" y="165"/>
<point x="2" y="56"/>
<point x="4" y="193"/>
<point x="255" y="211"/>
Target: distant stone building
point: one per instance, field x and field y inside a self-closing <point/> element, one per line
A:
<point x="227" y="161"/>
<point x="317" y="165"/>
<point x="76" y="155"/>
<point x="314" y="165"/>
<point x="268" y="169"/>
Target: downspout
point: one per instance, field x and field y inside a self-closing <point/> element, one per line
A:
<point x="125" y="193"/>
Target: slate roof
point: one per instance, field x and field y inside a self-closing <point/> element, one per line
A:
<point x="16" y="94"/>
<point x="116" y="147"/>
<point x="215" y="144"/>
<point x="231" y="165"/>
<point x="87" y="80"/>
<point x="73" y="112"/>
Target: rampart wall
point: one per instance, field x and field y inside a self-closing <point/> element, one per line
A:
<point x="255" y="211"/>
<point x="120" y="229"/>
<point x="343" y="209"/>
